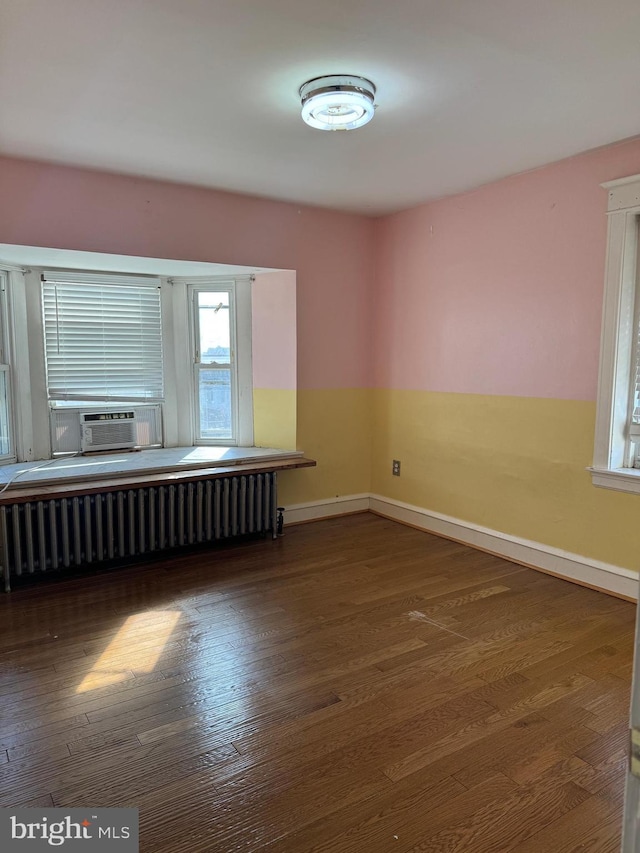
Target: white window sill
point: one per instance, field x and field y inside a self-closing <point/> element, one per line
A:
<point x="620" y="479"/>
<point x="76" y="468"/>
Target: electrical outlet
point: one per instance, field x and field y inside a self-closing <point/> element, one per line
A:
<point x="395" y="468"/>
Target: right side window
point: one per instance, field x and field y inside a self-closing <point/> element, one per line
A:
<point x="633" y="414"/>
<point x="616" y="462"/>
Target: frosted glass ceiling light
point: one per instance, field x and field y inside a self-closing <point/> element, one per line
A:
<point x="337" y="102"/>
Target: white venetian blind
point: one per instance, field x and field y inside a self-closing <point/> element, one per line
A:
<point x="103" y="337"/>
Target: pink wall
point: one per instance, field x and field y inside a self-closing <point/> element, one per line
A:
<point x="499" y="290"/>
<point x="496" y="291"/>
<point x="62" y="207"/>
<point x="273" y="338"/>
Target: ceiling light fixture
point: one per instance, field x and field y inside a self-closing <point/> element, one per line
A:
<point x="337" y="102"/>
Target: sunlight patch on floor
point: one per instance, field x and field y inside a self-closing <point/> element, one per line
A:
<point x="136" y="648"/>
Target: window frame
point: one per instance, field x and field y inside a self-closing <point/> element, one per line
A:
<point x="6" y="362"/>
<point x="614" y="447"/>
<point x="198" y="365"/>
<point x="239" y="289"/>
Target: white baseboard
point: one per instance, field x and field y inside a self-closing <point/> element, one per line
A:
<point x="573" y="567"/>
<point x="315" y="510"/>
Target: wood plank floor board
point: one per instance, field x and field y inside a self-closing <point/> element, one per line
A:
<point x="506" y="822"/>
<point x="586" y="642"/>
<point x="361" y="726"/>
<point x="25" y="731"/>
<point x="44" y="802"/>
<point x="551" y="747"/>
<point x="452" y="584"/>
<point x="602" y="749"/>
<point x="500" y="749"/>
<point x="590" y="826"/>
<point x="41" y="773"/>
<point x="572" y="708"/>
<point x="43" y="766"/>
<point x="39" y="701"/>
<point x="390" y="684"/>
<point x="395" y="820"/>
<point x="356" y="685"/>
<point x="601" y="661"/>
<point x="172" y="772"/>
<point x="476" y="730"/>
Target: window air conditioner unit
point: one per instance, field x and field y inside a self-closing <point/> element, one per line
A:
<point x="107" y="431"/>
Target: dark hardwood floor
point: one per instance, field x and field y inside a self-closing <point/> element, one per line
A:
<point x="354" y="686"/>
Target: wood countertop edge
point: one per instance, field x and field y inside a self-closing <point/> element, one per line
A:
<point x="61" y="489"/>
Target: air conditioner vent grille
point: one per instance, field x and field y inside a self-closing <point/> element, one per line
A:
<point x="108" y="431"/>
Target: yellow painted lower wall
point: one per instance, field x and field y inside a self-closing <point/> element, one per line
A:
<point x="334" y="428"/>
<point x="274" y="418"/>
<point x="513" y="464"/>
<point x="516" y="465"/>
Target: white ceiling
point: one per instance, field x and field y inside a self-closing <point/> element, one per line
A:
<point x="205" y="91"/>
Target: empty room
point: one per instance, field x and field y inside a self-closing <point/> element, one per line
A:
<point x="319" y="426"/>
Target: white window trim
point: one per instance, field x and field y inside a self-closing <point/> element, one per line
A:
<point x="244" y="361"/>
<point x="242" y="410"/>
<point x="7" y="351"/>
<point x="611" y="464"/>
<point x="19" y="356"/>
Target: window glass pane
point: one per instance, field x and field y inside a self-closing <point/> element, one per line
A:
<point x="5" y="440"/>
<point x="215" y="403"/>
<point x="214" y="327"/>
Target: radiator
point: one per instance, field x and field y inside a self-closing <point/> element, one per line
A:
<point x="42" y="535"/>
